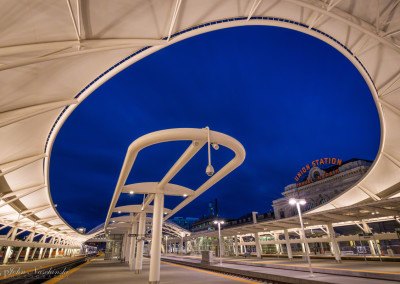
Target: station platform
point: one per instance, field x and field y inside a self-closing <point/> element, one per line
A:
<point x="24" y="267"/>
<point x="326" y="271"/>
<point x="183" y="269"/>
<point x="102" y="271"/>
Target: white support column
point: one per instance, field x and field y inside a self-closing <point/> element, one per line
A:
<point x="166" y="245"/>
<point x="367" y="229"/>
<point x="256" y="236"/>
<point x="123" y="246"/>
<point x="7" y="255"/>
<point x="371" y="247"/>
<point x="188" y="243"/>
<point x="18" y="254"/>
<point x="334" y="244"/>
<point x="155" y="260"/>
<point x="28" y="249"/>
<point x="236" y="246"/>
<point x="140" y="242"/>
<point x="258" y="246"/>
<point x="277" y="245"/>
<point x="12" y="238"/>
<point x="181" y="246"/>
<point x="56" y="253"/>
<point x="33" y="253"/>
<point x="51" y="251"/>
<point x="133" y="246"/>
<point x="322" y="247"/>
<point x="44" y="253"/>
<point x="242" y="247"/>
<point x="40" y="253"/>
<point x="288" y="246"/>
<point x="127" y="248"/>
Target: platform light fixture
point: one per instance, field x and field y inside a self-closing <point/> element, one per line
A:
<point x="298" y="202"/>
<point x="219" y="222"/>
<point x="210" y="169"/>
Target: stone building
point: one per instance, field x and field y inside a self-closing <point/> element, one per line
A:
<point x="319" y="184"/>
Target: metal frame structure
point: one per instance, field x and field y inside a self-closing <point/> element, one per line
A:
<point x="155" y="191"/>
<point x="55" y="54"/>
<point x="360" y="215"/>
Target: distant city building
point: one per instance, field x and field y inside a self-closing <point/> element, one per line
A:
<point x="318" y="182"/>
<point x="248" y="218"/>
<point x="184" y="222"/>
<point x="208" y="223"/>
<point x="213" y="208"/>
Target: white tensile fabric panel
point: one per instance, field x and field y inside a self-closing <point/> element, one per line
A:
<point x="384" y="175"/>
<point x="6" y="209"/>
<point x="27" y="137"/>
<point x="36" y="199"/>
<point x="128" y="19"/>
<point x="392" y="137"/>
<point x="382" y="65"/>
<point x="29" y="175"/>
<point x="352" y="196"/>
<point x="64" y="77"/>
<point x="28" y="21"/>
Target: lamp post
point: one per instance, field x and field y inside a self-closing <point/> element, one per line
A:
<point x="219" y="239"/>
<point x="298" y="202"/>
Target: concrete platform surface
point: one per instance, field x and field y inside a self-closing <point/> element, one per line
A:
<point x="102" y="271"/>
<point x="23" y="267"/>
<point x="277" y="273"/>
<point x="328" y="266"/>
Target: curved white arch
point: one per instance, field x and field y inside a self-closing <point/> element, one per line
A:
<point x="37" y="57"/>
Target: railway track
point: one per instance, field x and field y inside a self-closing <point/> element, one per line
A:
<point x="249" y="275"/>
<point x="41" y="275"/>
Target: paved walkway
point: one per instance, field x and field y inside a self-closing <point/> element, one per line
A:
<point x="101" y="271"/>
<point x="23" y="267"/>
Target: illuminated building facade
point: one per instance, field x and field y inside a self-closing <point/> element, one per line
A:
<point x="320" y="183"/>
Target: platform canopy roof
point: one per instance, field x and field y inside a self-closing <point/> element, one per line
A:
<point x="356" y="214"/>
<point x="53" y="54"/>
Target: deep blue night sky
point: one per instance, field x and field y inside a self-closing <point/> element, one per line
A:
<point x="287" y="97"/>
